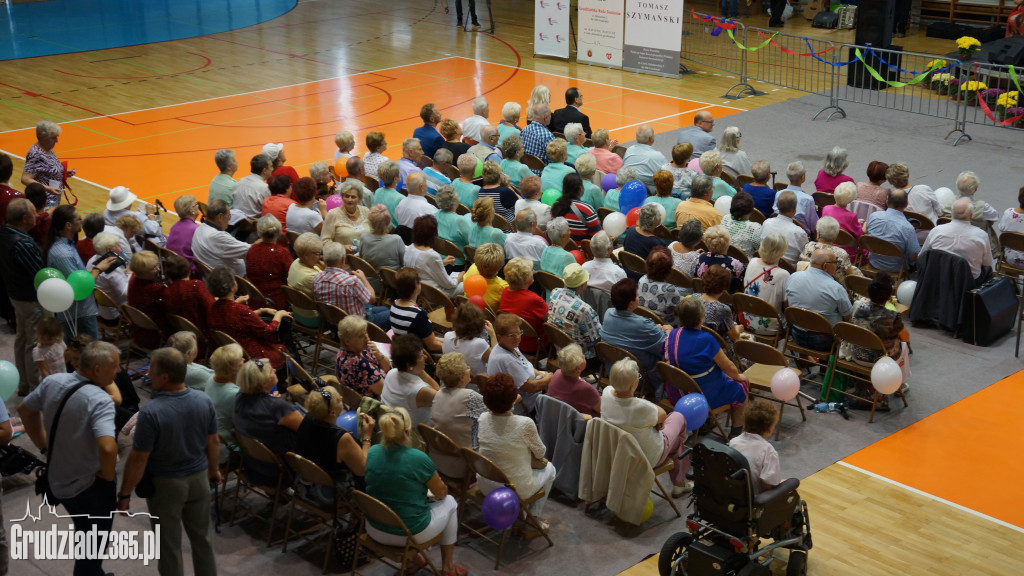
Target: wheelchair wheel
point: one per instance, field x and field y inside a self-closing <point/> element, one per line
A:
<point x="797" y="565"/>
<point x="673" y="548"/>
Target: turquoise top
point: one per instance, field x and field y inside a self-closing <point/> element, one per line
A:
<point x="480" y="235"/>
<point x="554" y="259"/>
<point x="455" y="229"/>
<point x="592" y="195"/>
<point x="611" y="199"/>
<point x="515" y="171"/>
<point x="397" y="476"/>
<point x="467" y="192"/>
<point x="390" y="198"/>
<point x="721" y="188"/>
<point x="670" y="205"/>
<point x="552" y="176"/>
<point x="575" y="152"/>
<point x="506" y="130"/>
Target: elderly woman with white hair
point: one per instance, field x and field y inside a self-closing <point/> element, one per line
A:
<point x="586" y="167"/>
<point x="509" y="125"/>
<point x="309" y="249"/>
<point x="640" y="238"/>
<point x="511" y="154"/>
<point x="42" y="164"/>
<point x="827" y="229"/>
<point x="982" y="213"/>
<point x="321" y="175"/>
<point x="555" y="172"/>
<point x="531" y="191"/>
<point x="734" y="160"/>
<point x="555" y="257"/>
<point x="539" y="95"/>
<point x="766" y="280"/>
<point x="114" y="283"/>
<point x="831" y="174"/>
<point x="844" y="194"/>
<point x="179" y="239"/>
<point x="717" y="239"/>
<point x="603" y="271"/>
<point x="568" y="386"/>
<point x="624" y="175"/>
<point x="518" y="299"/>
<point x="268" y="261"/>
<point x="388" y="174"/>
<point x="346" y="143"/>
<point x="607" y="161"/>
<point x="575" y="137"/>
<point x="711" y="165"/>
<point x="347" y="222"/>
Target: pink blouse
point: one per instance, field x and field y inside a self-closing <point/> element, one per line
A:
<point x="826" y="183"/>
<point x="847" y="221"/>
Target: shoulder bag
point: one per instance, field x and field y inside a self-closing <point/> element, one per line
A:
<point x="42" y="474"/>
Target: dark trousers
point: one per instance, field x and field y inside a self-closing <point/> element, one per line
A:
<point x="778" y="7"/>
<point x="98" y="501"/>
<point x="472" y="10"/>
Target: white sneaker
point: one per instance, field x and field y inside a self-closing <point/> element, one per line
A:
<point x="678" y="491"/>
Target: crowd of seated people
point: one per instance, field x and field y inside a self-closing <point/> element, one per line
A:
<point x="477" y="375"/>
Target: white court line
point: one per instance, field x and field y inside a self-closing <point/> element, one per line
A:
<point x="933" y="497"/>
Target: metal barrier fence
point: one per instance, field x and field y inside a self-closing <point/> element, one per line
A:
<point x="889" y="79"/>
<point x="997" y="97"/>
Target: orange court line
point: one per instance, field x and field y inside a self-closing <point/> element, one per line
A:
<point x="967" y="453"/>
<point x="165" y="152"/>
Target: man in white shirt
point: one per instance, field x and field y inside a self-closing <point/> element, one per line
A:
<point x="251" y="191"/>
<point x="529" y="187"/>
<point x="525" y="241"/>
<point x="214" y="247"/>
<point x="603" y="271"/>
<point x="963" y="239"/>
<point x="415" y="204"/>
<point x="795" y="236"/>
<point x="412" y="150"/>
<point x="471" y="126"/>
<point x="643" y="157"/>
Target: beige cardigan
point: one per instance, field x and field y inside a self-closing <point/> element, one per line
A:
<point x="615" y="469"/>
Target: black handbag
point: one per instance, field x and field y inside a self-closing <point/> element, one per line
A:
<point x="42" y="473"/>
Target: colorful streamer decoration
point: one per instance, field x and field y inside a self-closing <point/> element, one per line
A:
<point x="751" y="48"/>
<point x="894" y="83"/>
<point x="988" y="111"/>
<point x="891" y="67"/>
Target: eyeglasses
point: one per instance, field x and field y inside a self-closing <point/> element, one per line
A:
<point x="259" y="363"/>
<point x="515" y="334"/>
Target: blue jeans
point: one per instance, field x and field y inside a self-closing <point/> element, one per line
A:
<point x="814" y="340"/>
<point x="379" y="315"/>
<point x="97" y="500"/>
<point x="730" y="8"/>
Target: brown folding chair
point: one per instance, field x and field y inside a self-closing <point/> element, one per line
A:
<point x="756" y="216"/>
<point x="822" y="199"/>
<point x="919" y="221"/>
<point x="322" y="517"/>
<point x="603" y="212"/>
<point x="609" y="354"/>
<point x="744" y="179"/>
<point x="729" y="179"/>
<point x="747" y="304"/>
<point x="440" y="447"/>
<point x="438" y="305"/>
<point x="218" y="338"/>
<point x="559" y="339"/>
<point x="765" y="362"/>
<point x="664" y="233"/>
<point x="864" y="338"/>
<point x="182" y="324"/>
<point x="633" y="262"/>
<point x="396" y="557"/>
<point x="532" y="162"/>
<point x="204" y="269"/>
<point x="354" y="263"/>
<point x="292" y="237"/>
<point x="1012" y="241"/>
<point x="470" y="253"/>
<point x="620" y="150"/>
<point x="845" y="240"/>
<point x="112" y="330"/>
<point x="349" y="397"/>
<point x="485" y="468"/>
<point x="787" y="266"/>
<point x="377" y="334"/>
<point x="680" y="380"/>
<point x="447" y="248"/>
<point x="330" y="316"/>
<point x="738" y="254"/>
<point x="872" y="245"/>
<point x="810" y="322"/>
<point x="256" y="298"/>
<point x="548" y="281"/>
<point x="499" y="222"/>
<point x="649" y="314"/>
<point x="452" y="172"/>
<point x="677" y="277"/>
<point x="780" y="186"/>
<point x="259" y="452"/>
<point x="297" y="299"/>
<point x="530" y="332"/>
<point x="139" y="320"/>
<point x="202" y="207"/>
<point x="371" y="183"/>
<point x="859" y="285"/>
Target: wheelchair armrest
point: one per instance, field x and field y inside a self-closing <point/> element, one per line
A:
<point x="767" y="497"/>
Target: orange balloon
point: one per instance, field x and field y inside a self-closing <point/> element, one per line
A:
<point x="474" y="285"/>
<point x="632" y="216"/>
<point x="341" y="167"/>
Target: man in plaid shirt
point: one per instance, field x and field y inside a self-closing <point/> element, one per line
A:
<point x="536" y="135"/>
<point x="350" y="291"/>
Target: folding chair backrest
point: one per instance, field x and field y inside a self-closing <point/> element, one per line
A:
<point x="585" y="247"/>
<point x="330" y="313"/>
<point x="744" y="179"/>
<point x="603" y="212"/>
<point x="677" y="378"/>
<point x="650" y="315"/>
<point x="822" y="199"/>
<point x="738" y="254"/>
<point x="664" y="233"/>
<point x="1012" y="240"/>
<point x="729" y="179"/>
<point x="845" y="239"/>
<point x="484" y="468"/>
<point x="204" y="268"/>
<point x="881" y="247"/>
<point x="377" y="334"/>
<point x="919" y="221"/>
<point x="297" y="299"/>
<point x="759" y="353"/>
<point x="435" y="297"/>
<point x="388" y="277"/>
<point x="104" y="299"/>
<point x="633" y="262"/>
<point x="308" y="470"/>
<point x="858" y="284"/>
<point x="756" y="216"/>
<point x="558" y="337"/>
<point x="858" y="336"/>
<point x="371" y="183"/>
<point x="182" y="324"/>
<point x="499" y="222"/>
<point x="527" y="328"/>
<point x="610" y="354"/>
<point x="532" y="162"/>
<point x="349" y="397"/>
<point x="378" y="512"/>
<point x="677" y="277"/>
<point x="548" y="280"/>
<point x="755" y="306"/>
<point x="255" y="449"/>
<point x="447" y="248"/>
<point x="218" y="338"/>
<point x="438" y="441"/>
<point x="256" y="298"/>
<point x="295" y="370"/>
<point x="140" y="319"/>
<point x="787" y="266"/>
<point x="807" y="320"/>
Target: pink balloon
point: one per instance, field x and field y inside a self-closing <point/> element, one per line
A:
<point x="333" y="201"/>
<point x="785" y="384"/>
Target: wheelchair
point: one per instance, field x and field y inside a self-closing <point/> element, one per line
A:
<point x="729" y="522"/>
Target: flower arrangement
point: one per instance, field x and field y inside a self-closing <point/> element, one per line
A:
<point x="940" y="81"/>
<point x="990" y="95"/>
<point x="935" y="64"/>
<point x="1005" y="102"/>
<point x="1013" y="112"/>
<point x="970" y="91"/>
<point x="967" y="45"/>
<point x="953" y="88"/>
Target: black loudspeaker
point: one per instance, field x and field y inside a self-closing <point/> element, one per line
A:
<point x="874" y="22"/>
<point x="989" y="311"/>
<point x="858" y="77"/>
<point x="825" y="20"/>
<point x="1007" y="52"/>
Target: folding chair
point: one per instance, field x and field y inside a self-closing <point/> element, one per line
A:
<point x="113" y="330"/>
<point x="846" y="240"/>
<point x="609" y="354"/>
<point x="754" y="306"/>
<point x="330" y="316"/>
<point x="1012" y="241"/>
<point x="548" y="281"/>
<point x="809" y="322"/>
<point x="633" y="262"/>
<point x="822" y="199"/>
<point x="380" y="513"/>
<point x="744" y="179"/>
<point x="371" y="183"/>
<point x="204" y="268"/>
<point x="649" y="314"/>
<point x="256" y="298"/>
<point x="297" y="299"/>
<point x="529" y="332"/>
<point x="873" y="245"/>
<point x="182" y="324"/>
<point x="677" y="277"/>
<point x="787" y="266"/>
<point x="680" y="380"/>
<point x="738" y="254"/>
<point x="532" y="162"/>
<point x="664" y="233"/>
<point x="259" y="452"/>
<point x="603" y="212"/>
<point x="499" y="222"/>
<point x="756" y="216"/>
<point x="485" y="468"/>
<point x="349" y="397"/>
<point x="447" y="248"/>
<point x="857" y="336"/>
<point x="470" y="253"/>
<point x="377" y="334"/>
<point x="559" y="339"/>
<point x="323" y="517"/>
<point x="446" y="453"/>
<point x="729" y="179"/>
<point x="139" y="320"/>
<point x="765" y="362"/>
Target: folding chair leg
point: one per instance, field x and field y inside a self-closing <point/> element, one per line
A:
<point x="501" y="546"/>
<point x="288" y="526"/>
<point x="667" y="497"/>
<point x="330" y="544"/>
<point x="273" y="514"/>
<point x="234" y="509"/>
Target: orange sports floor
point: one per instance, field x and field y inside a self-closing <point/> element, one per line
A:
<point x="968" y="454"/>
<point x="166" y="152"/>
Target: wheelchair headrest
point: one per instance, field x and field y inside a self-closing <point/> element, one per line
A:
<point x="721" y="478"/>
<point x="718" y="459"/>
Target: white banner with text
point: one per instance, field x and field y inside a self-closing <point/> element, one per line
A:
<point x="654" y="36"/>
<point x="551" y="28"/>
<point x="599" y="37"/>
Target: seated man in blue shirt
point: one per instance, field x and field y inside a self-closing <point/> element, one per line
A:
<point x="892" y="226"/>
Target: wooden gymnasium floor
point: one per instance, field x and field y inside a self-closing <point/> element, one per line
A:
<point x="938" y="497"/>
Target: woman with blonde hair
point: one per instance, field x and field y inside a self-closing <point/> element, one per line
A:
<point x="226" y="361"/>
<point x="456" y="411"/>
<point x="268" y="261"/>
<point x="309" y="249"/>
<point x="518" y="299"/>
<point x="359" y="364"/>
<point x="400" y="476"/>
<point x="717" y="239"/>
<point x="539" y="95"/>
<point x="147" y="293"/>
<point x="711" y="165"/>
<point x="264" y="416"/>
<point x="495" y="187"/>
<point x="331" y="447"/>
<point x="487" y="262"/>
<point x="586" y="167"/>
<point x="734" y="160"/>
<point x="388" y="175"/>
<point x="483" y="232"/>
<point x="844" y="194"/>
<point x="767" y="281"/>
<point x="509" y="125"/>
<point x="452" y="133"/>
<point x="555" y="172"/>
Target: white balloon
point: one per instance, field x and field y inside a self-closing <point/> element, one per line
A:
<point x="886" y="375"/>
<point x="945" y="196"/>
<point x="661" y="210"/>
<point x="723" y="204"/>
<point x="614" y="224"/>
<point x="55" y="295"/>
<point x="905" y="292"/>
<point x="785" y="384"/>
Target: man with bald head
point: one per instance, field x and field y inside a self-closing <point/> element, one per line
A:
<point x="487" y="148"/>
<point x="699" y="135"/>
<point x="536" y="135"/>
<point x="643" y="157"/>
<point x="892" y="226"/>
<point x="962" y="238"/>
<point x="816" y="290"/>
<point x="528" y="240"/>
<point x="415" y="204"/>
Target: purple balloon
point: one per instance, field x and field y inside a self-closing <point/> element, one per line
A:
<point x="501" y="508"/>
<point x="333" y="201"/>
<point x="608" y="182"/>
<point x="632" y="195"/>
<point x="693" y="407"/>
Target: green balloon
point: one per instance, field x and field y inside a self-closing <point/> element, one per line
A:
<point x="479" y="168"/>
<point x="82" y="283"/>
<point x="550" y="196"/>
<point x="46" y="273"/>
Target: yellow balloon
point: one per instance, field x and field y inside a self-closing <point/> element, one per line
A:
<point x="648" y="510"/>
